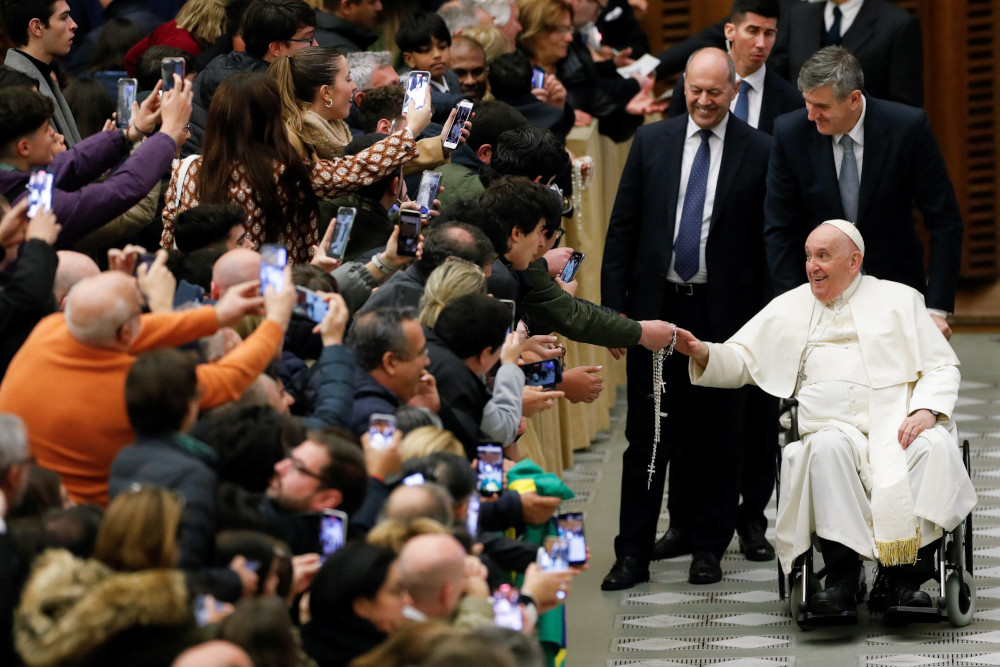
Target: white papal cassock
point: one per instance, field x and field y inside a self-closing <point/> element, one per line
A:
<point x="867" y="360"/>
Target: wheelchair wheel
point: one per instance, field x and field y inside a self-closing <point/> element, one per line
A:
<point x="960" y="598"/>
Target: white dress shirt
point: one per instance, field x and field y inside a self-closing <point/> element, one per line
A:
<point x="754" y="96"/>
<point x="691" y="145"/>
<point x="858" y="134"/>
<point x="848" y="12"/>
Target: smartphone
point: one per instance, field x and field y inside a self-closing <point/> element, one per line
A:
<point x="145" y="259"/>
<point x="554" y="554"/>
<point x="126" y="96"/>
<point x="381" y="428"/>
<point x="341" y="231"/>
<point x="310" y="305"/>
<point x="409" y="233"/>
<point x="416" y="89"/>
<point x="570" y="525"/>
<point x="272" y="266"/>
<point x="429" y="182"/>
<point x="253" y="565"/>
<point x="169" y="67"/>
<point x="546" y="373"/>
<point x="506" y="610"/>
<point x="201" y="609"/>
<point x="513" y="313"/>
<point x="39" y="190"/>
<point x="332" y="532"/>
<point x="489" y="469"/>
<point x="455" y="134"/>
<point x="572" y="266"/>
<point x="472" y="515"/>
<point x="537" y="77"/>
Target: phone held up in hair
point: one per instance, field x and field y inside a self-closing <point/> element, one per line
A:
<point x="272" y="266"/>
<point x="309" y="304"/>
<point x="429" y="182"/>
<point x="513" y="313"/>
<point x="506" y="610"/>
<point x="572" y="266"/>
<point x="545" y="374"/>
<point x="554" y="554"/>
<point x="489" y="469"/>
<point x="169" y="67"/>
<point x="39" y="191"/>
<point x="342" y="225"/>
<point x="537" y="77"/>
<point x="332" y="532"/>
<point x="126" y="96"/>
<point x="455" y="133"/>
<point x="416" y="89"/>
<point x="409" y="233"/>
<point x="570" y="525"/>
<point x="381" y="429"/>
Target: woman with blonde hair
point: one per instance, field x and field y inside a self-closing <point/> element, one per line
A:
<point x="454" y="278"/>
<point x="394" y="533"/>
<point x="493" y="41"/>
<point x="428" y="440"/>
<point x="198" y="24"/>
<point x="139" y="530"/>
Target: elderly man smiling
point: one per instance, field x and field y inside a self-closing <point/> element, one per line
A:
<point x="877" y="473"/>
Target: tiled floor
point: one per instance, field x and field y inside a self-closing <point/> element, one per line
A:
<point x="740" y="622"/>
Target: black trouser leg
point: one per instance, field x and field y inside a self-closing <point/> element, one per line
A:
<point x="759" y="445"/>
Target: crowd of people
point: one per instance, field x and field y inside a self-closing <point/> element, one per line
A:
<point x="232" y="432"/>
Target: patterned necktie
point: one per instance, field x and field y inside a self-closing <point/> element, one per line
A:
<point x="742" y="109"/>
<point x="833" y="37"/>
<point x="849" y="181"/>
<point x="687" y="245"/>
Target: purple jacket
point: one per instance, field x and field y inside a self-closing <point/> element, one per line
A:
<point x="80" y="205"/>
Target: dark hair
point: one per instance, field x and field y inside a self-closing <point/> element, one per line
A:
<point x="769" y="9"/>
<point x="206" y="225"/>
<point x="493" y="118"/>
<point x="22" y="112"/>
<point x="12" y="77"/>
<point x="472" y="323"/>
<point x="312" y="277"/>
<point x="377" y="332"/>
<point x="263" y="628"/>
<point x="244" y="129"/>
<point x="74" y="529"/>
<point x="517" y="202"/>
<point x="416" y="30"/>
<point x="379" y="103"/>
<point x="356" y="570"/>
<point x="42" y="493"/>
<point x="530" y="152"/>
<point x="235" y="9"/>
<point x="451" y="471"/>
<point x="346" y="470"/>
<point x="526" y="650"/>
<point x="266" y="21"/>
<point x="471" y="212"/>
<point x="373" y="191"/>
<point x="159" y="389"/>
<point x="250" y="544"/>
<point x="248" y="442"/>
<point x="510" y="76"/>
<point x="91" y="105"/>
<point x="194" y="267"/>
<point x="17" y="14"/>
<point x="409" y="417"/>
<point x="452" y="239"/>
<point x="148" y="70"/>
<point x="117" y="36"/>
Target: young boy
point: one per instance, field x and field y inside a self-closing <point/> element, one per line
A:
<point x="425" y="43"/>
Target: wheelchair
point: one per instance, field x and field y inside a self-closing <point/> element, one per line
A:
<point x="956" y="601"/>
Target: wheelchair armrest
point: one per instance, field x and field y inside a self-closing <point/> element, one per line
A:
<point x="789" y="407"/>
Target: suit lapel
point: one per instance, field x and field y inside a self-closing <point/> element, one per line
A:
<point x="668" y="183"/>
<point x="876" y="129"/>
<point x="733" y="149"/>
<point x="768" y="104"/>
<point x="863" y="27"/>
<point x="821" y="155"/>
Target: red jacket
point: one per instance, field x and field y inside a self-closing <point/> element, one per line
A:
<point x="167" y="34"/>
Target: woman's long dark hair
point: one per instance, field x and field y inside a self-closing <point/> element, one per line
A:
<point x="244" y="129"/>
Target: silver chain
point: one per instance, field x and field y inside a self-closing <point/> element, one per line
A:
<point x="659" y="388"/>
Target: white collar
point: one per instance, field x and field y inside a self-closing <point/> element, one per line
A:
<point x="719" y="130"/>
<point x="858" y="131"/>
<point x="756" y="80"/>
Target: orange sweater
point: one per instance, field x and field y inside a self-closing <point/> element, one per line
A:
<point x="71" y="396"/>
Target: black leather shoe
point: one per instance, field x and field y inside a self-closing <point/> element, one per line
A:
<point x="625" y="573"/>
<point x="835" y="599"/>
<point x="754" y="546"/>
<point x="705" y="569"/>
<point x="674" y="543"/>
<point x="901" y="595"/>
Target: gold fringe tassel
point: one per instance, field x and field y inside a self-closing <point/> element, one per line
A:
<point x="899" y="552"/>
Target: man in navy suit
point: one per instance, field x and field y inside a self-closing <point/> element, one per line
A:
<point x="894" y="162"/>
<point x="751" y="31"/>
<point x="685" y="245"/>
<point x="885" y="39"/>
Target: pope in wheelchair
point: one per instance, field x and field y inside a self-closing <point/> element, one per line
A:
<point x="877" y="473"/>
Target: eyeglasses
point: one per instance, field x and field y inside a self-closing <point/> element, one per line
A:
<point x="299" y="466"/>
<point x="303" y="40"/>
<point x="555" y="233"/>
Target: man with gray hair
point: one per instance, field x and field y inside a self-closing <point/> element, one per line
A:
<point x="851" y="156"/>
<point x="370" y="69"/>
<point x="461" y="14"/>
<point x="347" y="25"/>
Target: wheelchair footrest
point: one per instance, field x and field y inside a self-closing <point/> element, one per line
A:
<point x="898" y="616"/>
<point x="807" y="619"/>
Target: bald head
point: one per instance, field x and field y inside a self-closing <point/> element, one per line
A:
<point x="103" y="310"/>
<point x="709" y="86"/>
<point x="215" y="653"/>
<point x="425" y="500"/>
<point x="433" y="569"/>
<point x="73" y="267"/>
<point x="236" y="266"/>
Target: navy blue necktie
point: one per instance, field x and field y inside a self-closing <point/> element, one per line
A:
<point x="687" y="245"/>
<point x="742" y="108"/>
<point x="833" y="35"/>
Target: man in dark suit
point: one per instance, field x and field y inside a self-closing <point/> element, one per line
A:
<point x="895" y="161"/>
<point x="884" y="38"/>
<point x="751" y="31"/>
<point x="685" y="245"/>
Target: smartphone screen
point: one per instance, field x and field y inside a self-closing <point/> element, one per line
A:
<point x="489" y="469"/>
<point x="472" y="515"/>
<point x="332" y="532"/>
<point x="39" y="191"/>
<point x="537" y="77"/>
<point x="126" y="96"/>
<point x="554" y="554"/>
<point x="506" y="610"/>
<point x="546" y="373"/>
<point x="272" y="266"/>
<point x="341" y="231"/>
<point x="570" y="526"/>
<point x="200" y="607"/>
<point x="429" y="182"/>
<point x="381" y="428"/>
<point x="409" y="233"/>
<point x="169" y="67"/>
<point x="572" y="266"/>
<point x="145" y="259"/>
<point x="455" y="134"/>
<point x="416" y="89"/>
<point x="513" y="312"/>
<point x="310" y="305"/>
